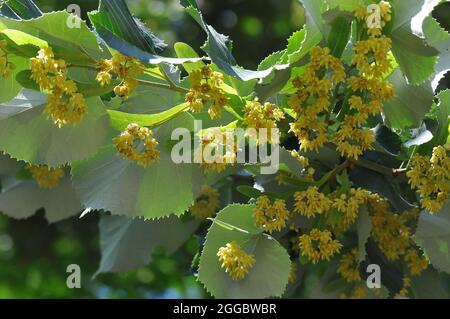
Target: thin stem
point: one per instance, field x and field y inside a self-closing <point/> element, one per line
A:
<point x="379" y="168"/>
<point x="335" y="172"/>
<point x="163" y="86"/>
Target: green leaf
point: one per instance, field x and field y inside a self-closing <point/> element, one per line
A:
<point x="404" y="11"/>
<point x="59" y="203"/>
<point x="269" y="275"/>
<point x="387" y="139"/>
<point x="429" y="285"/>
<point x="120" y="120"/>
<point x="27" y="134"/>
<point x="75" y="45"/>
<point x="416" y="59"/>
<point x="419" y="136"/>
<point x="26" y="45"/>
<point x="9" y="87"/>
<point x="20" y="199"/>
<point x="442" y="111"/>
<point x="363" y="228"/>
<point x="25" y="9"/>
<point x="339" y="35"/>
<point x="184" y="50"/>
<point x="433" y="235"/>
<point x="146" y="100"/>
<point x="218" y="48"/>
<point x="8" y="166"/>
<point x="109" y="182"/>
<point x="348" y="5"/>
<point x="410" y="104"/>
<point x="114" y="16"/>
<point x="314" y="10"/>
<point x="438" y="38"/>
<point x="295" y="42"/>
<point x="249" y="191"/>
<point x="321" y="283"/>
<point x="381" y="184"/>
<point x="127" y="244"/>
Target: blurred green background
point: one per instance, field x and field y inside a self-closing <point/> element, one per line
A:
<point x="34" y="255"/>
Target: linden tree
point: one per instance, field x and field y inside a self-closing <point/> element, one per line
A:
<point x="329" y="160"/>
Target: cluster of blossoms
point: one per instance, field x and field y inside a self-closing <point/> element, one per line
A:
<point x="206" y="90"/>
<point x="293" y="273"/>
<point x="404" y="292"/>
<point x="431" y="178"/>
<point x="370" y="91"/>
<point x="216" y="150"/>
<point x="304" y="162"/>
<point x="6" y="67"/>
<point x="348" y="206"/>
<point x="374" y="17"/>
<point x="263" y="116"/>
<point x="311" y="202"/>
<point x="270" y="217"/>
<point x="312" y="101"/>
<point x="349" y="266"/>
<point x="46" y="177"/>
<point x="392" y="233"/>
<point x="319" y="245"/>
<point x="125" y="68"/>
<point x="137" y="144"/>
<point x="206" y="204"/>
<point x="64" y="104"/>
<point x="416" y="263"/>
<point x="235" y="260"/>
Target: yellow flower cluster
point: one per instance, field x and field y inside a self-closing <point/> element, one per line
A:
<point x="46" y="177"/>
<point x="390" y="231"/>
<point x="311" y="202"/>
<point x="64" y="104"/>
<point x="374" y="27"/>
<point x="137" y="144"/>
<point x="319" y="245"/>
<point x="206" y="89"/>
<point x="216" y="150"/>
<point x="416" y="264"/>
<point x="235" y="260"/>
<point x="431" y="178"/>
<point x="304" y="161"/>
<point x="125" y="68"/>
<point x="206" y="204"/>
<point x="404" y="292"/>
<point x="259" y="116"/>
<point x="6" y="67"/>
<point x="348" y="205"/>
<point x="372" y="61"/>
<point x="293" y="273"/>
<point x="270" y="217"/>
<point x="349" y="266"/>
<point x="312" y="102"/>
